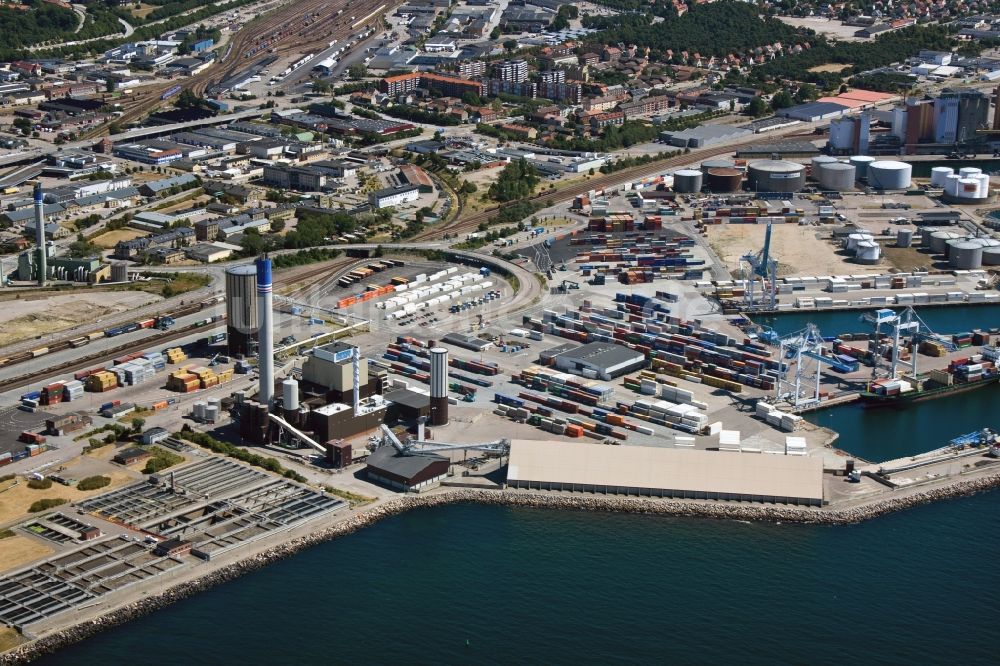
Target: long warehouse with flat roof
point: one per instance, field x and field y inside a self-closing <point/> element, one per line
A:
<point x="660" y="472"/>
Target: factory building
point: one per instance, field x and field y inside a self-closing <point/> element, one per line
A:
<point x="329" y="371"/>
<point x="598" y="360"/>
<point x="242" y="321"/>
<point x="660" y="472"/>
<point x="406" y="472"/>
<point x="339" y="421"/>
<point x="407" y="405"/>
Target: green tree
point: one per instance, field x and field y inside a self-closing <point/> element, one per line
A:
<point x="517" y="180"/>
<point x="782" y="100"/>
<point x="757" y="107"/>
<point x="357" y="71"/>
<point x="137" y="424"/>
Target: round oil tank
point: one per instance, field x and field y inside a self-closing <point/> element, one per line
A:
<point x="836" y="176"/>
<point x="925" y="235"/>
<point x="949" y="246"/>
<point x="717" y="163"/>
<point x="212" y="413"/>
<point x="854" y="239"/>
<point x="904" y="238"/>
<point x="776" y="176"/>
<point x="687" y="181"/>
<point x="820" y="160"/>
<point x="951" y="184"/>
<point x="868" y="252"/>
<point x="861" y="163"/>
<point x="939" y="240"/>
<point x="939" y="174"/>
<point x="991" y="256"/>
<point x="889" y="175"/>
<point x="198" y="409"/>
<point x="969" y="172"/>
<point x="723" y="180"/>
<point x="966" y="256"/>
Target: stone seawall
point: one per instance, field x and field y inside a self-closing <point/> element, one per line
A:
<point x="514" y="498"/>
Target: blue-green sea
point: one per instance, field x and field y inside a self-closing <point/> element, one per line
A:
<point x="491" y="585"/>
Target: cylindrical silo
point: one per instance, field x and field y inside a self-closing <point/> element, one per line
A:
<point x="861" y="163"/>
<point x="212" y="414"/>
<point x="723" y="180"/>
<point x="835" y="176"/>
<point x="951" y="184"/>
<point x="717" y="163"/>
<point x="119" y="271"/>
<point x="939" y="174"/>
<point x="439" y="386"/>
<point x="939" y="240"/>
<point x="904" y="238"/>
<point x="868" y="252"/>
<point x="290" y="394"/>
<point x="854" y="239"/>
<point x="969" y="172"/>
<point x="241" y="309"/>
<point x="687" y="181"/>
<point x="198" y="410"/>
<point x="889" y="175"/>
<point x="925" y="236"/>
<point x="991" y="256"/>
<point x="966" y="256"/>
<point x="776" y="176"/>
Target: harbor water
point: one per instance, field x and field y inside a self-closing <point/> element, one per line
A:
<point x="493" y="585"/>
<point x="942" y="320"/>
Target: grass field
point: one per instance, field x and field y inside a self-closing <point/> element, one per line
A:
<point x="14" y="503"/>
<point x="183" y="283"/>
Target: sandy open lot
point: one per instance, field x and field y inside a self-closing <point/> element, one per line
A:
<point x="26" y="318"/>
<point x="108" y="239"/>
<point x="832" y="29"/>
<point x="14" y="503"/>
<point x="797" y="249"/>
<point x="829" y="67"/>
<point x="18" y="550"/>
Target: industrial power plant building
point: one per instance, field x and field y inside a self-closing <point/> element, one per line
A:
<point x="659" y="472"/>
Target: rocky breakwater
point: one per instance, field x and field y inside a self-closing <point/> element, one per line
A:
<point x="880" y="506"/>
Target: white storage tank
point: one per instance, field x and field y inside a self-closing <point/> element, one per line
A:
<point x="904" y="238"/>
<point x="854" y="239"/>
<point x="820" y="160"/>
<point x="842" y="133"/>
<point x="775" y="176"/>
<point x="212" y="414"/>
<point x="868" y="252"/>
<point x="861" y="164"/>
<point x="949" y="246"/>
<point x="889" y="175"/>
<point x="925" y="235"/>
<point x="939" y="240"/>
<point x="198" y="410"/>
<point x="951" y="184"/>
<point x="966" y="256"/>
<point x="969" y="172"/>
<point x="939" y="174"/>
<point x="835" y="176"/>
<point x="687" y="181"/>
<point x="969" y="186"/>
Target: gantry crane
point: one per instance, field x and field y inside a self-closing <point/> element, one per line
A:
<point x="899" y="326"/>
<point x="760" y="268"/>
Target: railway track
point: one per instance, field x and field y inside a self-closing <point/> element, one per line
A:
<point x="293" y="26"/>
<point x="472" y="221"/>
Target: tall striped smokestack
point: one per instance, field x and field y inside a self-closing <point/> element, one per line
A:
<point x="439" y="386"/>
<point x="43" y="260"/>
<point x="356" y="368"/>
<point x="265" y="336"/>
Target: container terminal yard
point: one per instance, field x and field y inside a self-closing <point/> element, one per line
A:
<point x="636" y="352"/>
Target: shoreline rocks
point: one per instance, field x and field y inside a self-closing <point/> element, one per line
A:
<point x="60" y="639"/>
